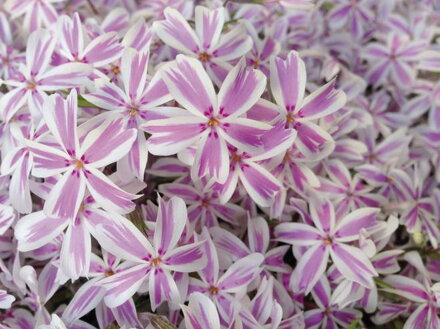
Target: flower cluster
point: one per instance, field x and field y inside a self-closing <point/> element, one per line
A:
<point x="270" y="164"/>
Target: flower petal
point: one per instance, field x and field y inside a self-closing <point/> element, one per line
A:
<point x="176" y="32"/>
<point x="241" y="273"/>
<point x="76" y="250"/>
<point x="188" y="258"/>
<point x="107" y="143"/>
<point x="353" y="264"/>
<point x="66" y="196"/>
<point x="123" y="285"/>
<point x="310" y="268"/>
<point x="288" y="80"/>
<point x="36" y="230"/>
<point x="298" y="234"/>
<point x="190" y="85"/>
<point x="103" y="50"/>
<point x="261" y="185"/>
<point x="171" y="221"/>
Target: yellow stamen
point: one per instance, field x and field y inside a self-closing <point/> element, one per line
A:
<point x="213" y="122"/>
<point x="79" y="164"/>
<point x="116" y="70"/>
<point x="204" y="57"/>
<point x="328" y="241"/>
<point x="290" y="118"/>
<point x="213" y="290"/>
<point x="155" y="261"/>
<point x="133" y="112"/>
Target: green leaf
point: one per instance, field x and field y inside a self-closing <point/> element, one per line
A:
<point x="160" y="323"/>
<point x="354" y="324"/>
<point x="82" y="102"/>
<point x="383" y="284"/>
<point x="434" y="255"/>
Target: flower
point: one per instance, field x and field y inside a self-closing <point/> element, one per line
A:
<point x="213" y="49"/>
<point x="79" y="161"/>
<point x="210" y="121"/>
<point x="328" y="238"/>
<point x="154" y="262"/>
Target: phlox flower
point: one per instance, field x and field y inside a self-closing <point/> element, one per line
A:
<point x="151" y="262"/>
<point x="209" y="121"/>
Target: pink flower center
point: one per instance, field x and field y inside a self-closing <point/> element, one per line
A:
<point x="79" y="164"/>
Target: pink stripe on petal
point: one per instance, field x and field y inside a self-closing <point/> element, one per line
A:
<point x="288" y="81"/>
<point x="170" y="136"/>
<point x="61" y="118"/>
<point x="103" y="50"/>
<point x="408" y="288"/>
<point x="7" y="217"/>
<point x="378" y="72"/>
<point x="209" y="24"/>
<point x="322" y="102"/>
<point x="107" y="143"/>
<point x="85" y="299"/>
<point x="310" y="268"/>
<point x="39" y="50"/>
<point x="176" y="32"/>
<point x="76" y="250"/>
<point x="11" y="102"/>
<point x="188" y="193"/>
<point x="138" y="36"/>
<point x="134" y="73"/>
<point x="230" y="244"/>
<point x="123" y="285"/>
<point x="171" y="220"/>
<point x="261" y="185"/>
<point x="313" y="141"/>
<point x="212" y="158"/>
<point x="156" y="93"/>
<point x="107" y="194"/>
<point x="70" y="75"/>
<point x="353" y="264"/>
<point x="66" y="196"/>
<point x="126" y="314"/>
<point x="323" y="214"/>
<point x="71" y="35"/>
<point x="124" y="240"/>
<point x="107" y="95"/>
<point x="233" y="45"/>
<point x="298" y="234"/>
<point x="191" y="86"/>
<point x="209" y="273"/>
<point x="258" y="235"/>
<point x="240" y="90"/>
<point x="201" y="313"/>
<point x="36" y="229"/>
<point x="339" y="173"/>
<point x="245" y="134"/>
<point x="241" y="273"/>
<point x="162" y="287"/>
<point x="347" y="229"/>
<point x="188" y="258"/>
